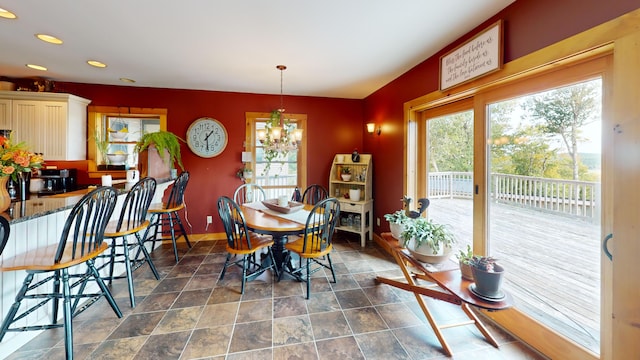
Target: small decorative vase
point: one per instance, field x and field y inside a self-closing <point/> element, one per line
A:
<point x="5" y="199"/>
<point x="346" y="177"/>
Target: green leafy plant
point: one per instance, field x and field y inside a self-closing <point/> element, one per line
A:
<point x="399" y="217"/>
<point x="427" y="232"/>
<point x="103" y="147"/>
<point x="163" y="140"/>
<point x="465" y="255"/>
<point x="484" y="263"/>
<point x="345" y="170"/>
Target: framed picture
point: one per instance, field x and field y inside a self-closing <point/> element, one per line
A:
<point x="478" y="56"/>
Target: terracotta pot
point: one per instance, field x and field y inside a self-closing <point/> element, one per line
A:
<point x="466" y="271"/>
<point x="5" y="199"/>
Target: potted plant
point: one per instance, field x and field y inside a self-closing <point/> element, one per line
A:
<point x="464" y="257"/>
<point x="427" y="241"/>
<point x="396" y="222"/>
<point x="162" y="140"/>
<point x="487" y="275"/>
<point x="345" y="173"/>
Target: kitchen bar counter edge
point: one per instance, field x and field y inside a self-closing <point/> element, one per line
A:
<point x="35" y="206"/>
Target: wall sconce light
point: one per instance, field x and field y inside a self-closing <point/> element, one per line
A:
<point x="371" y="128"/>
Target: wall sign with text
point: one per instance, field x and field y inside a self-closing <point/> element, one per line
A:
<point x="478" y="56"/>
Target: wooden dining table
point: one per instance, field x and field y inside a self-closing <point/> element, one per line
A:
<point x="261" y="220"/>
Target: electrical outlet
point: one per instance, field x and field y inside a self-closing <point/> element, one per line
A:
<point x="209" y="219"/>
<point x="378" y="221"/>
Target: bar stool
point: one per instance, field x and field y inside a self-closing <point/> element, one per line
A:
<point x="166" y="215"/>
<point x="132" y="220"/>
<point x="81" y="242"/>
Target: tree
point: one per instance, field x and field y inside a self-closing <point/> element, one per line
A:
<point x="451" y="142"/>
<point x="564" y="112"/>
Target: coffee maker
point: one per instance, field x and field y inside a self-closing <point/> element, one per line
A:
<point x="57" y="181"/>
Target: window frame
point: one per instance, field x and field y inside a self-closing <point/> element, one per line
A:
<point x="300" y="120"/>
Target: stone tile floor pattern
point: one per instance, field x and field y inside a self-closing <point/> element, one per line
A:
<point x="190" y="314"/>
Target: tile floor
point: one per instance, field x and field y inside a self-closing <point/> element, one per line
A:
<point x="190" y="314"/>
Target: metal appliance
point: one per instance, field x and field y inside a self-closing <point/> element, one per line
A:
<point x="57" y="181"/>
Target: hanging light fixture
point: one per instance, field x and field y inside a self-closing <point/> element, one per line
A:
<point x="279" y="136"/>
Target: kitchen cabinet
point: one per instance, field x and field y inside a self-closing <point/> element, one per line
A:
<point x="49" y="123"/>
<point x="356" y="216"/>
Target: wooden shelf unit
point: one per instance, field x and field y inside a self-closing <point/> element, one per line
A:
<point x="361" y="178"/>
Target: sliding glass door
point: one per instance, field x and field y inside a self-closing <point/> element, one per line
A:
<point x="544" y="205"/>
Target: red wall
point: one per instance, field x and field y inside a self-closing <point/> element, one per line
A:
<point x="529" y="25"/>
<point x="337" y="125"/>
<point x="333" y="126"/>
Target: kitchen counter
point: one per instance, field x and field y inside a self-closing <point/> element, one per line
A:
<point x="37" y="206"/>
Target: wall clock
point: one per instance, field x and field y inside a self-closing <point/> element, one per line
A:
<point x="206" y="137"/>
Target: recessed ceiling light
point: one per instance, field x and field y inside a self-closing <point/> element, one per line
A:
<point x="96" y="63"/>
<point x="127" y="80"/>
<point x="7" y="14"/>
<point x="48" y="38"/>
<point x="37" y="67"/>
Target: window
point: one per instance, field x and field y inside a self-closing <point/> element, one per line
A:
<point x="284" y="173"/>
<point x="115" y="130"/>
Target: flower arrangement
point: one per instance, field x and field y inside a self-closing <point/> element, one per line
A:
<point x="15" y="158"/>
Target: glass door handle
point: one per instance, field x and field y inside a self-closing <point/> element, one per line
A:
<point x="605" y="246"/>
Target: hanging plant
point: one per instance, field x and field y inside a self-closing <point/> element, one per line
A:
<point x="163" y="140"/>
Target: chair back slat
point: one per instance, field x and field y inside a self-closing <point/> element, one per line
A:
<point x="234" y="224"/>
<point x="314" y="194"/>
<point x="248" y="193"/>
<point x="320" y="225"/>
<point x="83" y="231"/>
<point x="136" y="204"/>
<point x="4" y="233"/>
<point x="176" y="197"/>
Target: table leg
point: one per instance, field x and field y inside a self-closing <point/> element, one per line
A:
<point x="278" y="250"/>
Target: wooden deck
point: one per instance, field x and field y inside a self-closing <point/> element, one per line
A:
<point x="552" y="263"/>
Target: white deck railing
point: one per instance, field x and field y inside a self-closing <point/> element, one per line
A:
<point x="569" y="197"/>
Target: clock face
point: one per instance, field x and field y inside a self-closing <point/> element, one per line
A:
<point x="207" y="137"/>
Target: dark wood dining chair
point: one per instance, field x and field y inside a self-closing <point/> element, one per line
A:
<point x="315" y="244"/>
<point x="314" y="193"/>
<point x="248" y="193"/>
<point x="132" y="221"/>
<point x="243" y="243"/>
<point x="81" y="243"/>
<point x="166" y="216"/>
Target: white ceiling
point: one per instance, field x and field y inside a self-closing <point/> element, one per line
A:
<point x="332" y="48"/>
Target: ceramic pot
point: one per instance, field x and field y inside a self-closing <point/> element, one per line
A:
<point x="396" y="230"/>
<point x="354" y="194"/>
<point x="424" y="253"/>
<point x="345" y="177"/>
<point x="488" y="283"/>
<point x="5" y="199"/>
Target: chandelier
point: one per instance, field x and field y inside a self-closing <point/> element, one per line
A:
<point x="279" y="136"/>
